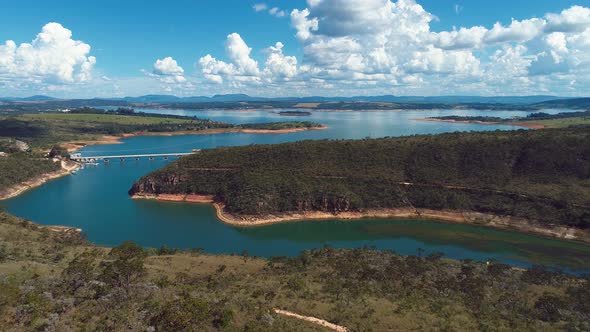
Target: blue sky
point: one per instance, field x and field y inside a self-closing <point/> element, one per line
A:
<point x="328" y="47"/>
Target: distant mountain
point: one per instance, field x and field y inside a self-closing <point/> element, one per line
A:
<point x="437" y="99"/>
<point x="152" y="99"/>
<point x="31" y="98"/>
<point x="384" y="98"/>
<point x="233" y="98"/>
<point x="577" y="103"/>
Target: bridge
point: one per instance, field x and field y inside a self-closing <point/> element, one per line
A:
<point x="152" y="156"/>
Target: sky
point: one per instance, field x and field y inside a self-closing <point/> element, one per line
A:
<point x="113" y="48"/>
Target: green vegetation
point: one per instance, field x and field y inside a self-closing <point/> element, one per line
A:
<point x="45" y="131"/>
<point x="102" y="118"/>
<point x="359" y="103"/>
<point x="57" y="281"/>
<point x="471" y="118"/>
<point x="19" y="167"/>
<point x="565" y="122"/>
<point x="281" y="125"/>
<point x="560" y="120"/>
<point x="295" y="113"/>
<point x="539" y="175"/>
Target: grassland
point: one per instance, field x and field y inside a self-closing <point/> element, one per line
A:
<point x="55" y="280"/>
<point x="43" y="130"/>
<point x="564" y="123"/>
<point x="535" y="120"/>
<point x="101" y="118"/>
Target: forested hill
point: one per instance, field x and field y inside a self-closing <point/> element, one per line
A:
<point x="540" y="175"/>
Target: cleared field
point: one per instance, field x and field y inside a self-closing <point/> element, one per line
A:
<point x="103" y="118"/>
<point x="563" y="123"/>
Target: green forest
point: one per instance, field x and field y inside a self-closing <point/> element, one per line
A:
<point x="45" y="131"/>
<point x="19" y="167"/>
<point x="539" y="117"/>
<point x="57" y="281"/>
<point x="539" y="175"/>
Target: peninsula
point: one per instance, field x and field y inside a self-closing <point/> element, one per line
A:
<point x="34" y="146"/>
<point x="539" y="120"/>
<point x="533" y="181"/>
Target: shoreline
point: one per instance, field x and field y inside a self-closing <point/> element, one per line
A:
<point x="66" y="169"/>
<point x="508" y="223"/>
<point x="514" y="124"/>
<point x="74" y="146"/>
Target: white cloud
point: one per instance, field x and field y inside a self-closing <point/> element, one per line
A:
<point x="458" y="8"/>
<point x="259" y="7"/>
<point x="239" y="53"/>
<point x="303" y="25"/>
<point x="517" y="31"/>
<point x="576" y="18"/>
<point x="277" y="12"/>
<point x="53" y="57"/>
<point x="347" y="47"/>
<point x="386" y="46"/>
<point x="242" y="67"/>
<point x="278" y="66"/>
<point x="168" y="71"/>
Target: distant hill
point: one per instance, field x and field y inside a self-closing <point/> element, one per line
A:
<point x="436" y="99"/>
<point x="31" y="98"/>
<point x="384" y="98"/>
<point x="239" y="101"/>
<point x="567" y="103"/>
<point x="195" y="99"/>
<point x="502" y="173"/>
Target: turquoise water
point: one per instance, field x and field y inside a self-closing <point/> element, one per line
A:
<point x="96" y="200"/>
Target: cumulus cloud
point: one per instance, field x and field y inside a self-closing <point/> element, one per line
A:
<point x="241" y="67"/>
<point x="53" y="57"/>
<point x="168" y="71"/>
<point x="386" y="45"/>
<point x="576" y="18"/>
<point x="278" y="66"/>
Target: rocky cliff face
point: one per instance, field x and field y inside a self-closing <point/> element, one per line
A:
<point x="156" y="184"/>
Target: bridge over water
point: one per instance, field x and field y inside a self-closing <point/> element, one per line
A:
<point x="151" y="156"/>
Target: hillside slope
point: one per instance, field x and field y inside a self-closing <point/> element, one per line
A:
<point x="538" y="175"/>
<point x="52" y="280"/>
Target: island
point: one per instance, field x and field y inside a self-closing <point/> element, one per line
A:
<point x="34" y="146"/>
<point x="295" y="113"/>
<point x="531" y="181"/>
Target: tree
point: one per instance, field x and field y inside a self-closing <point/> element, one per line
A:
<point x="191" y="314"/>
<point x="79" y="271"/>
<point x="58" y="151"/>
<point x="548" y="307"/>
<point x="245" y="255"/>
<point x="3" y="253"/>
<point x="127" y="267"/>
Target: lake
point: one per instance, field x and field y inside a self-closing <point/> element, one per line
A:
<point x="96" y="200"/>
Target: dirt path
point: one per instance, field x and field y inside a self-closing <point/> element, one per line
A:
<point x="313" y="320"/>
